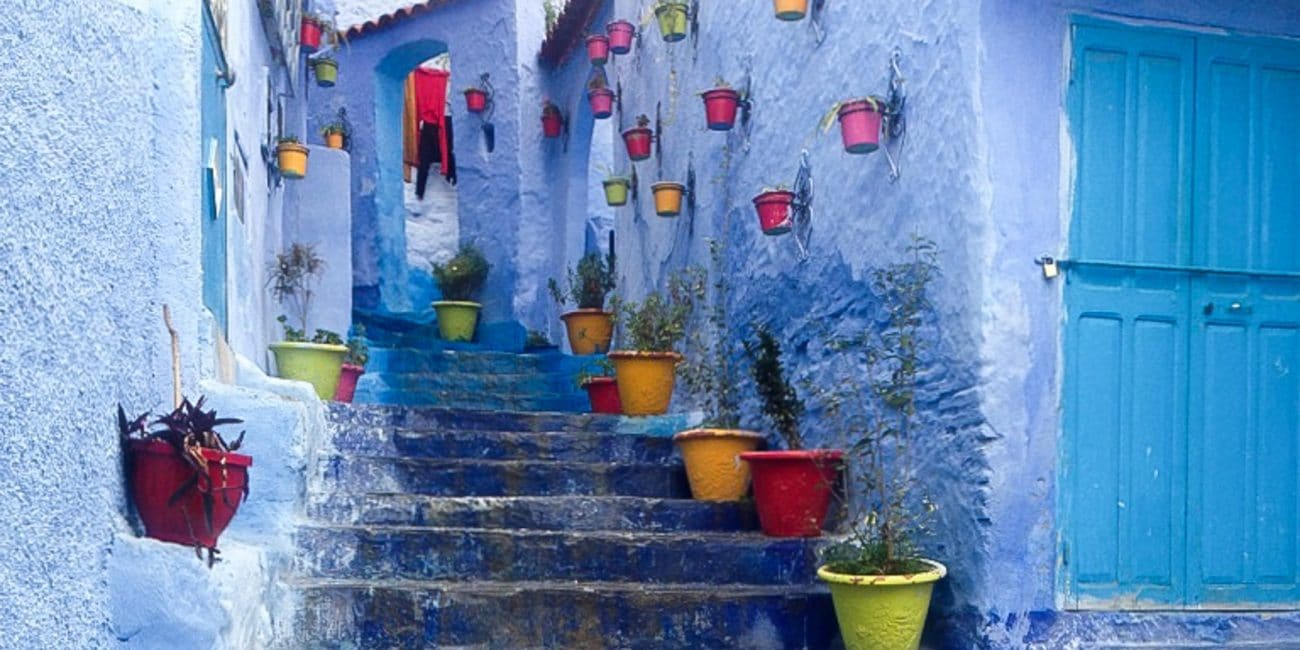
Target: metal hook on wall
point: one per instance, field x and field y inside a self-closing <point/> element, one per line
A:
<point x="895" y="118"/>
<point x="815" y="20"/>
<point x="801" y="209"/>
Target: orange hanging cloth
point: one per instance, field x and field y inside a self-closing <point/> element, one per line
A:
<point x="410" y="130"/>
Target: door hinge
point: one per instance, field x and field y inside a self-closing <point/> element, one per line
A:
<point x="1065" y="553"/>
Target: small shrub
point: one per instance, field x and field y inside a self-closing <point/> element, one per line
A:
<point x="462" y="277"/>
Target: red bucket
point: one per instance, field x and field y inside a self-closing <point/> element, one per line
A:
<point x="638" y="143"/>
<point x="309" y="35"/>
<point x="720" y="106"/>
<point x="348" y="383"/>
<point x="603" y="393"/>
<point x="602" y="102"/>
<point x="157" y="472"/>
<point x="476" y="100"/>
<point x="621" y="33"/>
<point x="774" y="210"/>
<point x="792" y="489"/>
<point x="552" y="123"/>
<point x="860" y="126"/>
<point x="598" y="49"/>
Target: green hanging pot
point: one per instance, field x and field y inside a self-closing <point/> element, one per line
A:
<point x="673" y="20"/>
<point x="616" y="191"/>
<point x="315" y="363"/>
<point x="327" y="72"/>
<point x="457" y="319"/>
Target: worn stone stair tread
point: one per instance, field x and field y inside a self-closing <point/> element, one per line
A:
<point x="506" y="445"/>
<point x="558" y="586"/>
<point x="746" y="537"/>
<point x="431" y="416"/>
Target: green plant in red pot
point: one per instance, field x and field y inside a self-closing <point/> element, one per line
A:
<point x="354" y="365"/>
<point x="185" y="481"/>
<point x="792" y="488"/>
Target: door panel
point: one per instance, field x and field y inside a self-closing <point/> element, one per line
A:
<point x="213" y="133"/>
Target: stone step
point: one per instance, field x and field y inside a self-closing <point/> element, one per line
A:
<point x="389" y="475"/>
<point x="423" y="553"/>
<point x="434" y="418"/>
<point x="628" y="616"/>
<point x="414" y="360"/>
<point x="509" y="383"/>
<point x="506" y="445"/>
<point x="575" y="513"/>
<point x="542" y="402"/>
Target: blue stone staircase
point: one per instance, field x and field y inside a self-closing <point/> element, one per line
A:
<point x="441" y="527"/>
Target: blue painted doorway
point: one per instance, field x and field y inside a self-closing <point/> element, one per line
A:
<point x="212" y="80"/>
<point x="1181" y="400"/>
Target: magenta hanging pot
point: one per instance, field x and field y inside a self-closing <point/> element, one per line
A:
<point x="720" y="105"/>
<point x="552" y="122"/>
<point x="602" y="102"/>
<point x="860" y="122"/>
<point x="638" y="142"/>
<point x="598" y="49"/>
<point x="621" y="33"/>
<point x="775" y="208"/>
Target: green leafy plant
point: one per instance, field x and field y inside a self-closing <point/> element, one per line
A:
<point x="287" y="139"/>
<point x="358" y="351"/>
<point x="600" y="368"/>
<point x="643" y="121"/>
<point x="781" y="403"/>
<point x="708" y="371"/>
<point x="883" y="530"/>
<point x="552" y="10"/>
<point x="536" y="339"/>
<point x="588" y="282"/>
<point x="658" y="323"/>
<point x="292" y="278"/>
<point x="295" y="335"/>
<point x="549" y="108"/>
<point x="598" y="80"/>
<point x="335" y="127"/>
<point x="462" y="277"/>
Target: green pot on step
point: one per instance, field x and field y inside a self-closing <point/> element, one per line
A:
<point x="457" y="319"/>
<point x="314" y="363"/>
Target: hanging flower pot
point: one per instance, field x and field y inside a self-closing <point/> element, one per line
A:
<point x="621" y="33"/>
<point x="309" y="34"/>
<point x="616" y="190"/>
<point x="860" y="122"/>
<point x="668" y="198"/>
<point x="158" y="475"/>
<point x="792" y="489"/>
<point x="602" y="102"/>
<point x="672" y="18"/>
<point x="598" y="49"/>
<point x="552" y="121"/>
<point x="475" y="100"/>
<point x="327" y="71"/>
<point x="291" y="158"/>
<point x="638" y="139"/>
<point x="712" y="459"/>
<point x="334" y="134"/>
<point x="774" y="210"/>
<point x="603" y="393"/>
<point x="720" y="105"/>
<point x="791" y="9"/>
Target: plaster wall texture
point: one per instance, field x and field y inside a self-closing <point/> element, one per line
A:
<point x="480" y="37"/>
<point x="318" y="212"/>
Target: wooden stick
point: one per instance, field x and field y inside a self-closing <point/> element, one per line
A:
<point x="176" y="357"/>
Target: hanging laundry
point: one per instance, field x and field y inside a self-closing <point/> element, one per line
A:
<point x="435" y="138"/>
<point x="410" y="130"/>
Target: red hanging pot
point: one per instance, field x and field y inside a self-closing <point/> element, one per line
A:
<point x="602" y="102"/>
<point x="348" y="383"/>
<point x="860" y="125"/>
<point x="598" y="49"/>
<point x="774" y="210"/>
<point x="552" y="123"/>
<point x="603" y="393"/>
<point x="157" y="473"/>
<point x="638" y="142"/>
<point x="475" y="100"/>
<point x="792" y="489"/>
<point x="720" y="106"/>
<point x="621" y="33"/>
<point x="309" y="35"/>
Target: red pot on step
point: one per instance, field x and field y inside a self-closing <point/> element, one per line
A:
<point x="348" y="383"/>
<point x="621" y="33"/>
<point x="598" y="49"/>
<point x="156" y="475"/>
<point x="774" y="208"/>
<point x="603" y="393"/>
<point x="792" y="489"/>
<point x="720" y="105"/>
<point x="638" y="142"/>
<point x="602" y="102"/>
<point x="309" y="35"/>
<point x="476" y="100"/>
<point x="860" y="125"/>
<point x="552" y="123"/>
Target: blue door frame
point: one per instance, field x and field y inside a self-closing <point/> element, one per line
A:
<point x="1181" y="403"/>
<point x="213" y="169"/>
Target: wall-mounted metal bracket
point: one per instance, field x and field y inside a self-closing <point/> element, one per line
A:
<point x="895" y="126"/>
<point x="690" y="193"/>
<point x="489" y="129"/>
<point x="746" y="102"/>
<point x="815" y="20"/>
<point x="801" y="211"/>
<point x="659" y="138"/>
<point x="695" y="30"/>
<point x="618" y="103"/>
<point x="636" y="194"/>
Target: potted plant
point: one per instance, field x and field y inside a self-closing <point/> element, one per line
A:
<point x="617" y="189"/>
<point x="621" y="33"/>
<point x="720" y="105"/>
<point x="354" y="365"/>
<point x="668" y="198"/>
<point x="309" y="33"/>
<point x="602" y="389"/>
<point x="335" y="134"/>
<point x="791" y="9"/>
<point x="673" y="17"/>
<point x="879" y="582"/>
<point x="774" y="206"/>
<point x="638" y="139"/>
<point x="459" y="281"/>
<point x="552" y="119"/>
<point x="476" y="99"/>
<point x="590" y="327"/>
<point x="712" y="451"/>
<point x="860" y="121"/>
<point x="327" y="71"/>
<point x="792" y="488"/>
<point x="598" y="49"/>
<point x="318" y="360"/>
<point x="651" y="330"/>
<point x="184" y="479"/>
<point x="599" y="96"/>
<point x="537" y="341"/>
<point x="291" y="157"/>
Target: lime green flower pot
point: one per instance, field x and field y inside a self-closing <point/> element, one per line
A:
<point x="882" y="612"/>
<point x="314" y="363"/>
<point x="673" y="20"/>
<point x="457" y="319"/>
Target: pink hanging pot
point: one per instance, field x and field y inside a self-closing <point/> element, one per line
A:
<point x="638" y="142"/>
<point x="621" y="33"/>
<point x="775" y="210"/>
<point x="598" y="49"/>
<point x="720" y="106"/>
<point x="602" y="102"/>
<point x="860" y="122"/>
<point x="552" y="122"/>
<point x="309" y="34"/>
<point x="475" y="100"/>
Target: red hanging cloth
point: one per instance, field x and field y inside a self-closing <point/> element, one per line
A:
<point x="431" y="104"/>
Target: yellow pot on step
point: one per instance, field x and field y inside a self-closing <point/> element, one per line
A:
<point x="791" y="9"/>
<point x="590" y="330"/>
<point x="713" y="464"/>
<point x="882" y="612"/>
<point x="645" y="380"/>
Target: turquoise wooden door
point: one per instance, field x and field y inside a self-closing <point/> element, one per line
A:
<point x="213" y="169"/>
<point x="1180" y="401"/>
